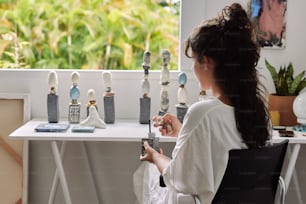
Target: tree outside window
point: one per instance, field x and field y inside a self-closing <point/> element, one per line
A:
<point x="87" y="34"/>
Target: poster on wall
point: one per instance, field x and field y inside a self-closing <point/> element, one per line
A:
<point x="269" y="17"/>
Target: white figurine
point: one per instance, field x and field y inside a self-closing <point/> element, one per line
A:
<point x="93" y="119"/>
<point x="52" y="81"/>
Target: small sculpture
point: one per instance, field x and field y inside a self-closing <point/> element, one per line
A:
<point x="91" y="100"/>
<point x="164" y="80"/>
<point x="145" y="101"/>
<point x="52" y="98"/>
<point x="93" y="119"/>
<point x="109" y="100"/>
<point x="181" y="107"/>
<point x="202" y="95"/>
<point x="75" y="106"/>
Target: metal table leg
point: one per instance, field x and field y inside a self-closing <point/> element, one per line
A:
<point x="61" y="172"/>
<point x="55" y="177"/>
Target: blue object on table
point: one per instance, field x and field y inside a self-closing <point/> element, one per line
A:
<point x="300" y="128"/>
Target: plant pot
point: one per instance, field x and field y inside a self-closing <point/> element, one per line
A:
<point x="284" y="105"/>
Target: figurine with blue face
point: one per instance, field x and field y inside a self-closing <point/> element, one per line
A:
<point x="75" y="106"/>
<point x="181" y="107"/>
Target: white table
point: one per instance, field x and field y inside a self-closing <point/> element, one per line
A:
<point x="127" y="131"/>
<point x="121" y="131"/>
<point x="296" y="141"/>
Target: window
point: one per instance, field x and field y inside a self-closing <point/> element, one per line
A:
<point x="88" y="34"/>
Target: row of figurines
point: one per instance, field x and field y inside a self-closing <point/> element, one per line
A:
<point x="109" y="108"/>
<point x="109" y="111"/>
<point x="92" y="119"/>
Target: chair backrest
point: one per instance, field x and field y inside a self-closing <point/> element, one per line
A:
<point x="252" y="175"/>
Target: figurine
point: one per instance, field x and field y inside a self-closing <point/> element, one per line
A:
<point x="202" y="95"/>
<point x="52" y="98"/>
<point x="109" y="100"/>
<point x="181" y="107"/>
<point x="91" y="100"/>
<point x="145" y="101"/>
<point x="93" y="119"/>
<point x="75" y="106"/>
<point x="164" y="80"/>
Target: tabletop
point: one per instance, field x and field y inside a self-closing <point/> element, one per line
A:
<point x="298" y="138"/>
<point x="121" y="131"/>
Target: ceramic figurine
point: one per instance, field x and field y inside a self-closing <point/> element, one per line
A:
<point x="145" y="101"/>
<point x="164" y="80"/>
<point x="91" y="100"/>
<point x="202" y="95"/>
<point x="52" y="98"/>
<point x="109" y="99"/>
<point x="181" y="107"/>
<point x="75" y="106"/>
<point x="93" y="119"/>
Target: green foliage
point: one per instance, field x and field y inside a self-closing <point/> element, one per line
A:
<point x="87" y="34"/>
<point x="284" y="81"/>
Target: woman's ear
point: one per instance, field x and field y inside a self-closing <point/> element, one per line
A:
<point x="208" y="62"/>
<point x="205" y="62"/>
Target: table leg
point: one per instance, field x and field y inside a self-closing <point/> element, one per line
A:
<point x="90" y="166"/>
<point x="61" y="172"/>
<point x="55" y="177"/>
<point x="291" y="165"/>
<point x="291" y="169"/>
<point x="297" y="187"/>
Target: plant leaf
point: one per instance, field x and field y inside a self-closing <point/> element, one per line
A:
<point x="272" y="71"/>
<point x="282" y="87"/>
<point x="289" y="75"/>
<point x="296" y="83"/>
<point x="300" y="87"/>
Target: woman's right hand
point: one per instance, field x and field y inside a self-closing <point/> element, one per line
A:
<point x="169" y="124"/>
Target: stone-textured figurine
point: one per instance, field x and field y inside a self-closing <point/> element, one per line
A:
<point x="93" y="119"/>
<point x="145" y="101"/>
<point x="181" y="107"/>
<point x="91" y="100"/>
<point x="164" y="80"/>
<point x="202" y="95"/>
<point x="52" y="98"/>
<point x="109" y="99"/>
<point x="75" y="106"/>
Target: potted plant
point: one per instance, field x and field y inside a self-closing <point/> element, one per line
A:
<point x="287" y="87"/>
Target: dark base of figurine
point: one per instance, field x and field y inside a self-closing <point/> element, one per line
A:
<point x="109" y="109"/>
<point x="181" y="111"/>
<point x="53" y="109"/>
<point x="145" y="110"/>
<point x="161" y="113"/>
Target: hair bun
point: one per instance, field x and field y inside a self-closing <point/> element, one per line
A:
<point x="236" y="17"/>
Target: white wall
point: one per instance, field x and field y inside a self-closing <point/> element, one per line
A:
<point x="127" y="85"/>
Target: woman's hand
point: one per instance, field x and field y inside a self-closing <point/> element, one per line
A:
<point x="149" y="153"/>
<point x="169" y="124"/>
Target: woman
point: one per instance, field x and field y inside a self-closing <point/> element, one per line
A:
<point x="225" y="56"/>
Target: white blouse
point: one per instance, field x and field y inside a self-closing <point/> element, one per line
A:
<point x="200" y="155"/>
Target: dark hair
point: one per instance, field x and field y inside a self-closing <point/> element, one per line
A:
<point x="230" y="41"/>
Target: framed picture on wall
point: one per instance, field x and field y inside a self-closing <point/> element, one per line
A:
<point x="269" y="17"/>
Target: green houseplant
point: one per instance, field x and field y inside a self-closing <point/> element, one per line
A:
<point x="287" y="87"/>
<point x="284" y="81"/>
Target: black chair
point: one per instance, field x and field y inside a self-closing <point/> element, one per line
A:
<point x="252" y="176"/>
